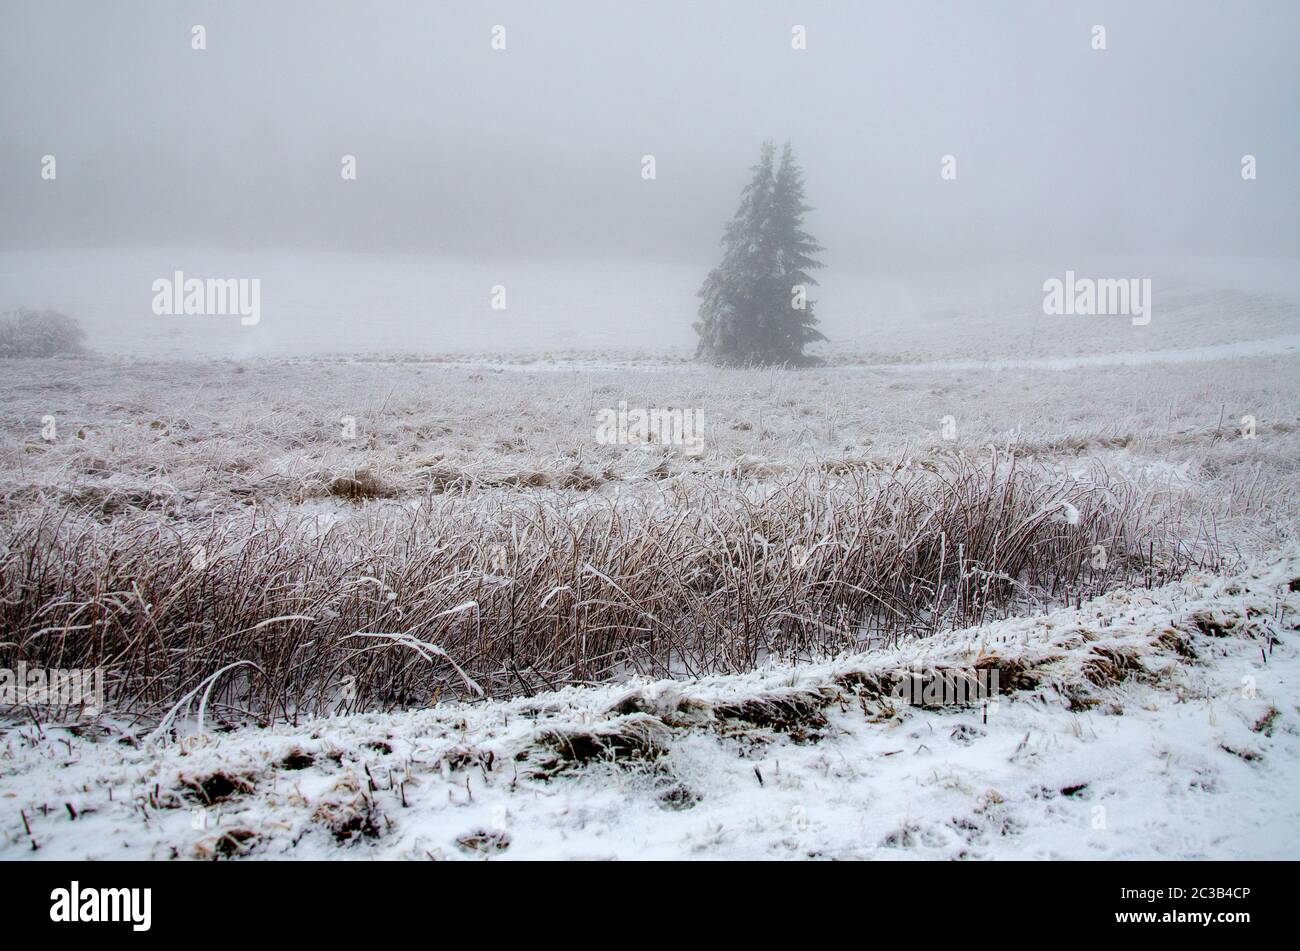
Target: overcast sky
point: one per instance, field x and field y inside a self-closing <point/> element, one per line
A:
<point x="536" y="150"/>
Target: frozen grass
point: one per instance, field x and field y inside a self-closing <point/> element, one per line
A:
<point x="1145" y="724"/>
<point x="191" y="438"/>
<point x="457" y="598"/>
<point x="187" y="517"/>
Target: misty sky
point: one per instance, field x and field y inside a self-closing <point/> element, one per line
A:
<point x="535" y="150"/>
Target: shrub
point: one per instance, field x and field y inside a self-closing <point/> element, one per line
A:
<point x="39" y="333"/>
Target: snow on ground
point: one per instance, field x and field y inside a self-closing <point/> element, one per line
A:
<point x="316" y="303"/>
<point x="1146" y="724"/>
<point x="586" y="363"/>
<point x="1242" y="348"/>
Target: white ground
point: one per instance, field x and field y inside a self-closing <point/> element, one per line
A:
<point x="1181" y="758"/>
<point x="317" y="303"/>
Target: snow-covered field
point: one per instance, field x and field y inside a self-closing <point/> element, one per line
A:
<point x="208" y="434"/>
<point x="1138" y="718"/>
<point x="569" y="432"/>
<point x="589" y="311"/>
<point x="1145" y="724"/>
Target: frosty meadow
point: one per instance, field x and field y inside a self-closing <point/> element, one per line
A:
<point x="692" y="431"/>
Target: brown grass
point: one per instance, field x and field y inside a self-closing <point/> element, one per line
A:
<point x="467" y="597"/>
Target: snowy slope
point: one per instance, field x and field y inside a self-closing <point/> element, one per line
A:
<point x="1146" y="724"/>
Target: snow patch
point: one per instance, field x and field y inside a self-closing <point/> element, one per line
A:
<point x="1145" y="724"/>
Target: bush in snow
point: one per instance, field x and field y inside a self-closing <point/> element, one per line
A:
<point x="38" y="333"/>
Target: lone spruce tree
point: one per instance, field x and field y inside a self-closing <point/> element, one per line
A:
<point x="754" y="306"/>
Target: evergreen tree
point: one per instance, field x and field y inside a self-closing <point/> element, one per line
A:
<point x="751" y="309"/>
<point x="731" y="292"/>
<point x="794" y="258"/>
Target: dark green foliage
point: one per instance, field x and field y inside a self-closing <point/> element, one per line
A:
<point x="754" y="307"/>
